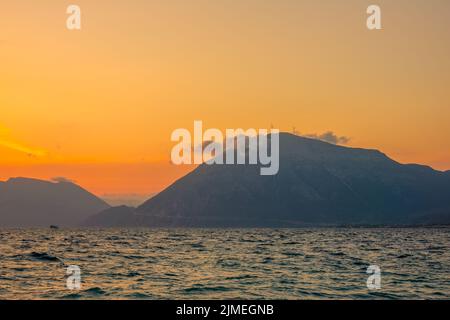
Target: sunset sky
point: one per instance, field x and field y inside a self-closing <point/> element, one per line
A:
<point x="98" y="105"/>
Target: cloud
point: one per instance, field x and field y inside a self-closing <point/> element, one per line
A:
<point x="200" y="147"/>
<point x="62" y="179"/>
<point x="32" y="152"/>
<point x="7" y="142"/>
<point x="329" y="137"/>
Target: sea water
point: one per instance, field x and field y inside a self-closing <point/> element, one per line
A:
<point x="225" y="263"/>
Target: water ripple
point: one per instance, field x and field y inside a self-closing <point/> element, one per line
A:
<point x="225" y="264"/>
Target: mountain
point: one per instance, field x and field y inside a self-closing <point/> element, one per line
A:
<point x="120" y="216"/>
<point x="35" y="203"/>
<point x="318" y="184"/>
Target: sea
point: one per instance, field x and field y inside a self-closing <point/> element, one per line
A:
<point x="293" y="264"/>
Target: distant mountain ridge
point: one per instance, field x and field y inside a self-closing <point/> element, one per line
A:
<point x="318" y="184"/>
<point x="26" y="202"/>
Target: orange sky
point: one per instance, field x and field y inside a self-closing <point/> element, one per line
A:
<point x="98" y="105"/>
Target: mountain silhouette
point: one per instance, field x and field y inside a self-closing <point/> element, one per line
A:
<point x="35" y="203"/>
<point x="120" y="216"/>
<point x="318" y="184"/>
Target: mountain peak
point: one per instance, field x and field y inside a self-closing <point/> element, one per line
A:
<point x="318" y="184"/>
<point x="37" y="203"/>
<point x="19" y="180"/>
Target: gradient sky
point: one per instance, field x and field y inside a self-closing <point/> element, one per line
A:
<point x="98" y="105"/>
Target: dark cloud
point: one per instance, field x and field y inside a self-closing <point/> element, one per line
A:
<point x="62" y="179"/>
<point x="329" y="137"/>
